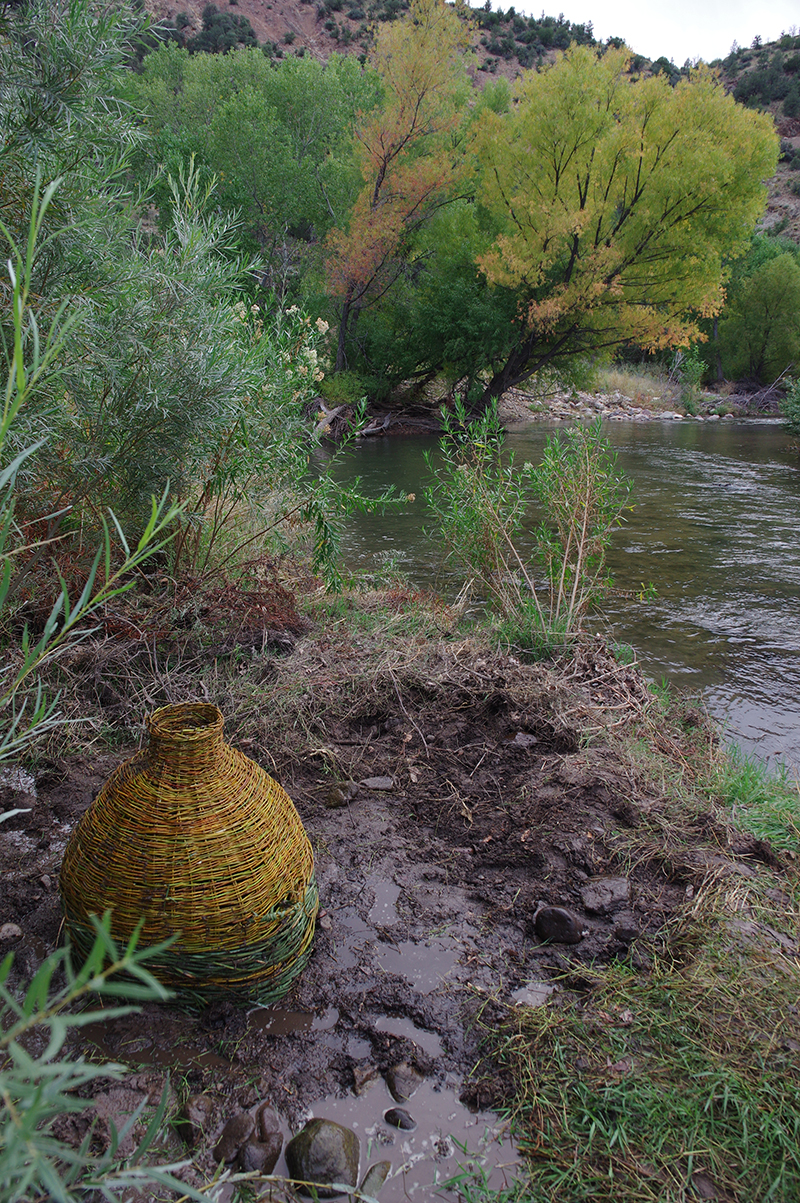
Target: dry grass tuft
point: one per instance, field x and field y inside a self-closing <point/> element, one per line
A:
<point x="648" y="389"/>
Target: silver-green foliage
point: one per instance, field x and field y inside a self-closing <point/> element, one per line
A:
<point x="40" y="1081"/>
<point x="31" y="361"/>
<point x="58" y="59"/>
<point x="161" y="376"/>
<point x="483" y="503"/>
<point x="166" y="376"/>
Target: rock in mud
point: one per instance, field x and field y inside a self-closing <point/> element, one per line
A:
<point x="377" y="783"/>
<point x="238" y="1129"/>
<point x="267" y="1121"/>
<point x="375" y="1177"/>
<point x="557" y="924"/>
<point x="323" y="1152"/>
<point x="196" y="1117"/>
<point x="606" y="894"/>
<point x="626" y="930"/>
<point x="260" y="1155"/>
<point x="398" y="1117"/>
<point x="9" y="932"/>
<point x="364" y="1076"/>
<point x="340" y="795"/>
<point x="403" y="1080"/>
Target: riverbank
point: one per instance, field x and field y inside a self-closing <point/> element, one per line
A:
<point x="622" y="396"/>
<point x="500" y="845"/>
<point x="518" y="407"/>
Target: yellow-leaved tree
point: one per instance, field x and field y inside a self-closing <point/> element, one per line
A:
<point x="620" y="199"/>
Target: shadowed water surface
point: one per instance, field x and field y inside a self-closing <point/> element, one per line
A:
<point x="716" y="529"/>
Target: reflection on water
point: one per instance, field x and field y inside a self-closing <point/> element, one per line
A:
<point x="716" y="528"/>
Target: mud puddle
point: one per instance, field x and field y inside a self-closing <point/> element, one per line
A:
<point x="448" y="1139"/>
<point x="125" y="1042"/>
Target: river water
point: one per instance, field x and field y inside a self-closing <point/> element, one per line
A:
<point x="715" y="528"/>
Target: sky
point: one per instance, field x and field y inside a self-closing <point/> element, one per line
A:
<point x="679" y="29"/>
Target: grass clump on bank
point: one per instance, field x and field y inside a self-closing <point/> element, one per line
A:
<point x="646" y="387"/>
<point x="766" y="803"/>
<point x="481" y="502"/>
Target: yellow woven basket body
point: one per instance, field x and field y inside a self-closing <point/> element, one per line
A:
<point x="190" y="836"/>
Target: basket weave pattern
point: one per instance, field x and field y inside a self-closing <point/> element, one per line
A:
<point x="191" y="836"/>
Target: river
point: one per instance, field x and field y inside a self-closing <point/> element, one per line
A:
<point x="716" y="529"/>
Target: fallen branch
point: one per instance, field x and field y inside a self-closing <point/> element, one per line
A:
<point x="375" y="427"/>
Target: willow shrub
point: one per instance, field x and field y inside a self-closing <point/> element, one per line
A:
<point x="39" y="1087"/>
<point x="172" y="376"/>
<point x="483" y="505"/>
<point x="31" y="361"/>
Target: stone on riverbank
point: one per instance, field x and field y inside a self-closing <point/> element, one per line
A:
<point x="323" y="1152"/>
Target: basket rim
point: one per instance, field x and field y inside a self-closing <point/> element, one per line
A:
<point x="185" y="721"/>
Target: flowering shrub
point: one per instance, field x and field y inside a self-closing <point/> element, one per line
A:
<point x="246" y="478"/>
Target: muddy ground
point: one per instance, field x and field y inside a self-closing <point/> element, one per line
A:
<point x="505" y="788"/>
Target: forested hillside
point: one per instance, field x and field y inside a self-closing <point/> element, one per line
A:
<point x="443" y="231"/>
<point x="502" y="42"/>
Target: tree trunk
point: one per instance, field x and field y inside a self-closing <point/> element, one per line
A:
<point x="527" y="358"/>
<point x="344" y="321"/>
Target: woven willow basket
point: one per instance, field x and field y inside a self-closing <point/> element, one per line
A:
<point x="191" y="836"/>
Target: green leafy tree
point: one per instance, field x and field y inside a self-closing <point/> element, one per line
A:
<point x="439" y="318"/>
<point x="756" y="335"/>
<point x="791" y="409"/>
<point x="409" y="156"/>
<point x="759" y="330"/>
<point x="279" y="139"/>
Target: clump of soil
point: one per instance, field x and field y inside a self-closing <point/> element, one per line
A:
<point x="451" y="792"/>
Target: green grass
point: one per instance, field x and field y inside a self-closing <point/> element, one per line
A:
<point x="384" y="613"/>
<point x="762" y="801"/>
<point x="655" y="1087"/>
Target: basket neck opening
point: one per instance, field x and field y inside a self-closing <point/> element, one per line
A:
<point x="189" y="732"/>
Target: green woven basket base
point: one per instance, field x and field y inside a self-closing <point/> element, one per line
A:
<point x="259" y="972"/>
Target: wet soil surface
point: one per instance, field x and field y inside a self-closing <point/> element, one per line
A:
<point x="473" y="806"/>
